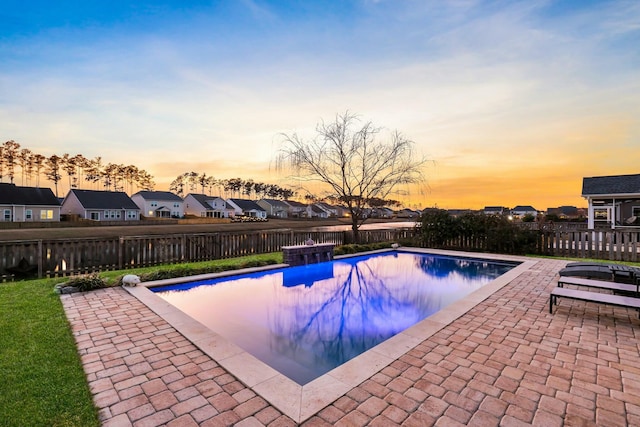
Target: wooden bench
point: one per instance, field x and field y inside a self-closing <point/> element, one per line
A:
<point x="618" y="300"/>
<point x="600" y="284"/>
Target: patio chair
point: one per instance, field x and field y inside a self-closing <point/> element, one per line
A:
<point x="602" y="271"/>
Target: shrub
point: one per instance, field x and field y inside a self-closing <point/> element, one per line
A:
<point x="87" y="282"/>
<point x="473" y="231"/>
<point x="357" y="248"/>
<point x="184" y="271"/>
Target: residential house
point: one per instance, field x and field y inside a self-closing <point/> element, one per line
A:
<point x="382" y="213"/>
<point x="159" y="204"/>
<point x="407" y="213"/>
<point x="296" y="209"/>
<point x="341" y="211"/>
<point x="314" y="210"/>
<point x="521" y="211"/>
<point x="274" y="208"/>
<point x="100" y="205"/>
<point x="614" y="201"/>
<point x="244" y="207"/>
<point x="564" y="212"/>
<point x="204" y="206"/>
<point x="335" y="211"/>
<point x="495" y="210"/>
<point x="28" y="204"/>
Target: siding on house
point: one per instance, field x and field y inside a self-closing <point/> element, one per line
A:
<point x="204" y="206"/>
<point x="101" y="205"/>
<point x="28" y="204"/>
<point x="159" y="204"/>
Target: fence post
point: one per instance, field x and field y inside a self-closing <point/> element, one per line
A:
<point x="40" y="260"/>
<point x="120" y="252"/>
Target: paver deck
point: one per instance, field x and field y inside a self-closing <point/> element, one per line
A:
<point x="505" y="362"/>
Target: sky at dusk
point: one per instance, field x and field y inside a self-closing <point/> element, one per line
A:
<point x="513" y="102"/>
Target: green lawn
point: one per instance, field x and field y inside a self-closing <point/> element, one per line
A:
<point x="41" y="378"/>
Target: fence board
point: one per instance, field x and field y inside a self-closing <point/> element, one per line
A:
<point x="62" y="257"/>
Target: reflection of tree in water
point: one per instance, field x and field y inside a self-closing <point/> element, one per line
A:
<point x="348" y="314"/>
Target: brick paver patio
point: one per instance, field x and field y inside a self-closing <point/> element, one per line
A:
<point x="506" y="362"/>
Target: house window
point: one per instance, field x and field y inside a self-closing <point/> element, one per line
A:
<point x="131" y="214"/>
<point x="601" y="214"/>
<point x="95" y="216"/>
<point x="110" y="214"/>
<point x="28" y="215"/>
<point x="46" y="214"/>
<point x="635" y="211"/>
<point x="7" y="214"/>
<point x="154" y="204"/>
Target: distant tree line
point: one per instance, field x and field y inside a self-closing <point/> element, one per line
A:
<point x="190" y="182"/>
<point x="77" y="169"/>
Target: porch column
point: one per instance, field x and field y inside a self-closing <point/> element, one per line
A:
<point x="613" y="214"/>
<point x="590" y="216"/>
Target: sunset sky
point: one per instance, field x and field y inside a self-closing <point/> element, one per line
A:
<point x="513" y="101"/>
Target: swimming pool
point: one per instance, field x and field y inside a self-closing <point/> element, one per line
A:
<point x="305" y="321"/>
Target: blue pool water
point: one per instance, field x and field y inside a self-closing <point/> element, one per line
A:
<point x="304" y="321"/>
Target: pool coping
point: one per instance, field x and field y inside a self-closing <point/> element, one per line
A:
<point x="302" y="402"/>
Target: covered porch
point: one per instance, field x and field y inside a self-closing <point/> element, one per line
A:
<point x="614" y="201"/>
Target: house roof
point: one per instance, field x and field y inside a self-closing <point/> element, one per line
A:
<point x="159" y="195"/>
<point x="564" y="210"/>
<point x="247" y="205"/>
<point x="295" y="204"/>
<point x="524" y="208"/>
<point x="318" y="209"/>
<point x="203" y="199"/>
<point x="611" y="185"/>
<point x="93" y="199"/>
<point x="11" y="194"/>
<point x="276" y="203"/>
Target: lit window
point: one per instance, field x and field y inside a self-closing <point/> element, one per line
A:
<point x="46" y="214"/>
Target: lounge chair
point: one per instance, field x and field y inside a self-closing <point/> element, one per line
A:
<point x="602" y="271"/>
<point x="621" y="301"/>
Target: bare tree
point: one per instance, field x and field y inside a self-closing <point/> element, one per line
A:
<point x="24" y="160"/>
<point x="211" y="183"/>
<point x="2" y="162"/>
<point x="145" y="180"/>
<point x="178" y="184"/>
<point x="38" y="166"/>
<point x="192" y="180"/>
<point x="82" y="164"/>
<point x="70" y="167"/>
<point x="53" y="165"/>
<point x="131" y="174"/>
<point x="94" y="171"/>
<point x="347" y="157"/>
<point x="11" y="154"/>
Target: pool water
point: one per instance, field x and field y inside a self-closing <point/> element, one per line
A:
<point x="304" y="321"/>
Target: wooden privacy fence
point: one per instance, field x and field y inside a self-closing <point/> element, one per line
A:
<point x="63" y="257"/>
<point x="615" y="245"/>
